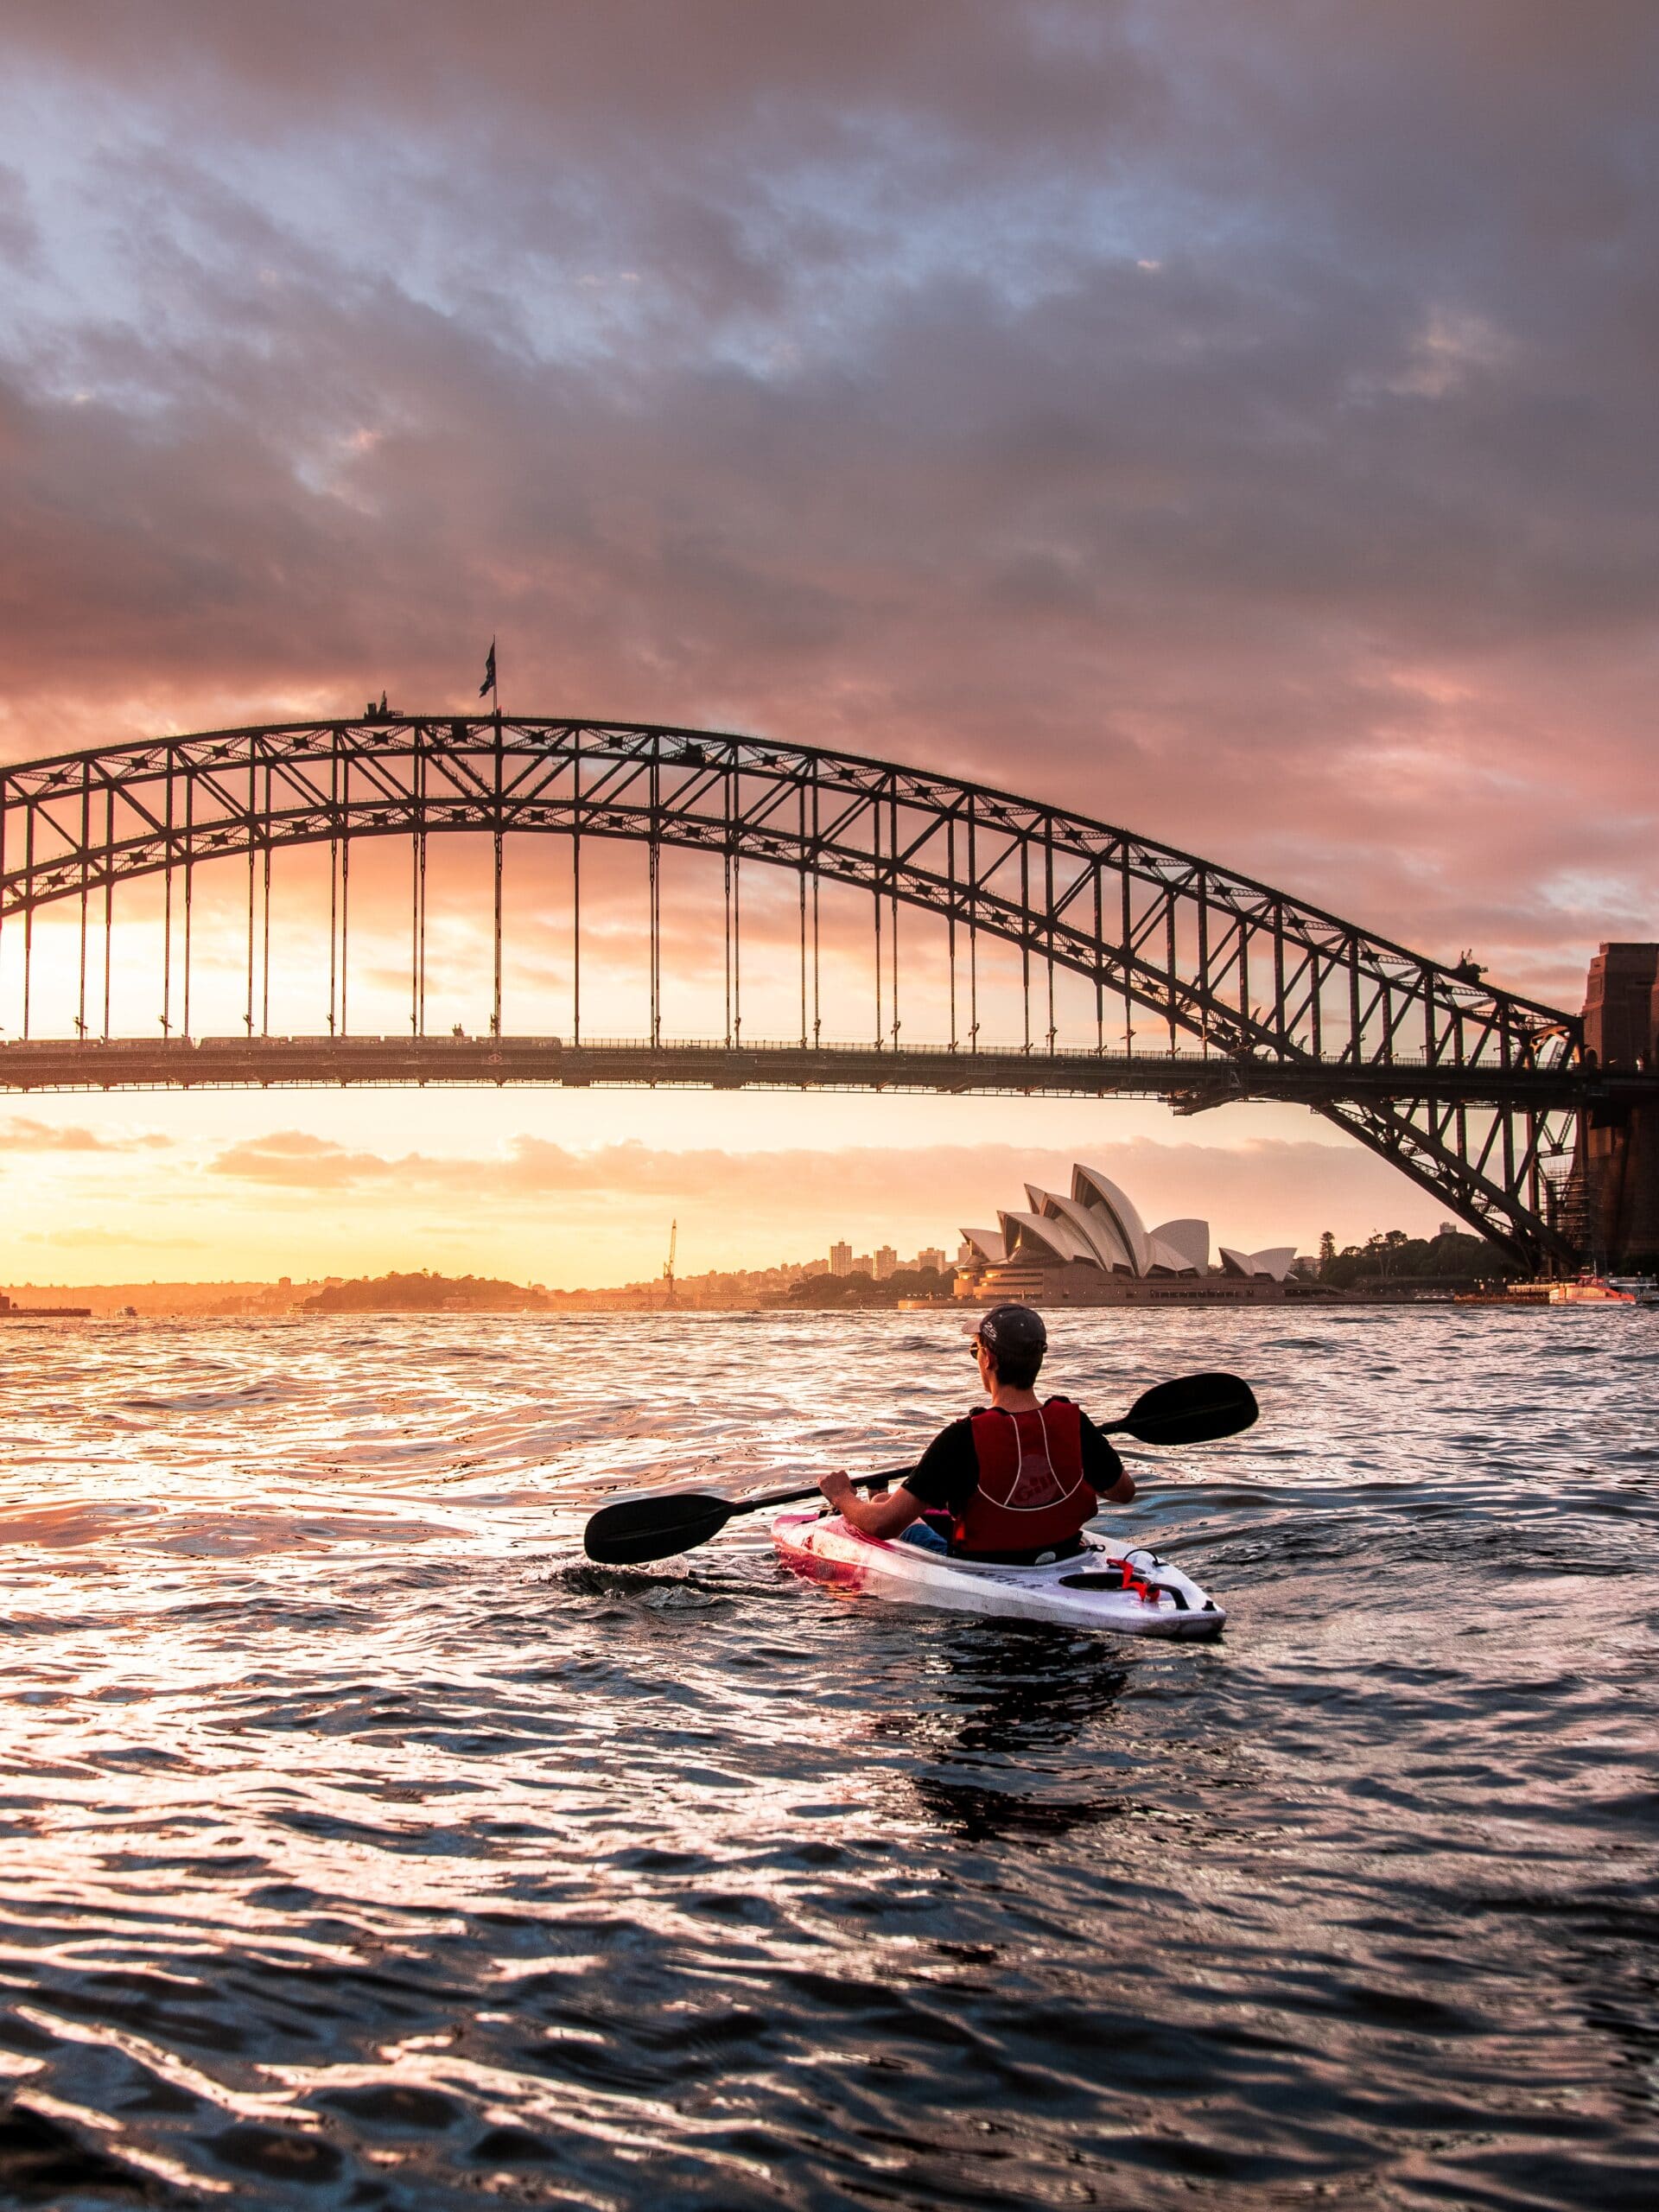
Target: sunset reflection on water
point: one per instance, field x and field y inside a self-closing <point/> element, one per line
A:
<point x="364" y="1840"/>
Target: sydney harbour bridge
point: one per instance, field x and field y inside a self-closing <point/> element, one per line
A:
<point x="1135" y="968"/>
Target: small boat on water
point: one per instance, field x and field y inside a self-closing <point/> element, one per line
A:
<point x="1126" y="1588"/>
<point x="1605" y="1290"/>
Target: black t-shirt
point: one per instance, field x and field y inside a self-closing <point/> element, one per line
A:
<point x="948" y="1474"/>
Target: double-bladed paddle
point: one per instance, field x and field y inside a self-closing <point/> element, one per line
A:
<point x="1192" y="1410"/>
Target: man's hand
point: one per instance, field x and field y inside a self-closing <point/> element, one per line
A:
<point x="882" y="1516"/>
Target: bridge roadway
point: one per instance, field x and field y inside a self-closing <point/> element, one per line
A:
<point x="1189" y="1081"/>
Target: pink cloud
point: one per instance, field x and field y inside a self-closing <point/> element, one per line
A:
<point x="1258" y="1190"/>
<point x="19" y="1133"/>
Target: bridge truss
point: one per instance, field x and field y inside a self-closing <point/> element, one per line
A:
<point x="1476" y="1095"/>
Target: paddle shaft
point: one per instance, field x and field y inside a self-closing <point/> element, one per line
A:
<point x="864" y="1481"/>
<point x="1193" y="1409"/>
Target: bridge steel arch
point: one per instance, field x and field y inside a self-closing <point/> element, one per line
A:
<point x="1477" y="1095"/>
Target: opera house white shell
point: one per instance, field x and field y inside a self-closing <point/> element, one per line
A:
<point x="1093" y="1248"/>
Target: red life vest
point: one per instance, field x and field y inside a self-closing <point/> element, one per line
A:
<point x="1032" y="1494"/>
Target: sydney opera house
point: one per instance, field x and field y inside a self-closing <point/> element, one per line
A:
<point x="1092" y="1249"/>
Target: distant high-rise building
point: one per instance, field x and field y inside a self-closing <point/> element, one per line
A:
<point x="886" y="1260"/>
<point x="841" y="1259"/>
<point x="862" y="1264"/>
<point x="966" y="1253"/>
<point x="930" y="1257"/>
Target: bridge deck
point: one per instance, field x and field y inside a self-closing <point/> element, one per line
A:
<point x="1191" y="1081"/>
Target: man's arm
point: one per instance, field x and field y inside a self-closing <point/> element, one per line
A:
<point x="941" y="1481"/>
<point x="1111" y="1480"/>
<point x="886" y="1516"/>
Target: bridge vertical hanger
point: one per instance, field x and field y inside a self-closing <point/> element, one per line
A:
<point x="85" y="823"/>
<point x="247" y="1017"/>
<point x="345" y="923"/>
<point x="726" y="880"/>
<point x="1025" y="943"/>
<point x="1172" y="967"/>
<point x="734" y="819"/>
<point x="1127" y="956"/>
<point x="973" y="926"/>
<point x="109" y="902"/>
<point x="497" y="855"/>
<point x="29" y="915"/>
<point x="498" y="862"/>
<point x="800" y="833"/>
<point x="166" y="916"/>
<point x="875" y="907"/>
<point x="417" y="888"/>
<point x="333" y="881"/>
<point x="189" y="894"/>
<point x="575" y="885"/>
<point x="818" y="993"/>
<point x="1100" y="964"/>
<point x="264" y="956"/>
<point x="893" y="894"/>
<point x="653" y="863"/>
<point x="951" y="918"/>
<point x="1048" y="925"/>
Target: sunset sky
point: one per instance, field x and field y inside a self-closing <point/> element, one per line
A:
<point x="1234" y="421"/>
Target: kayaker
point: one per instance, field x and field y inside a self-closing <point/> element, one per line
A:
<point x="1011" y="1484"/>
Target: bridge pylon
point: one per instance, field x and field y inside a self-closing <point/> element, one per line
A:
<point x="1615" y="1184"/>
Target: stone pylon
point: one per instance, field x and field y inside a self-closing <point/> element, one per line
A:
<point x="1617" y="1170"/>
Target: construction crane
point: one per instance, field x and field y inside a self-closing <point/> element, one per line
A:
<point x="668" y="1264"/>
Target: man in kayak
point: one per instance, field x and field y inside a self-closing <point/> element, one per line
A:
<point x="1011" y="1484"/>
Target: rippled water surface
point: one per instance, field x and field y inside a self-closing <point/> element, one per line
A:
<point x="363" y="1846"/>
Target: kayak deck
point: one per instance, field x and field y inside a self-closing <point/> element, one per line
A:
<point x="1089" y="1591"/>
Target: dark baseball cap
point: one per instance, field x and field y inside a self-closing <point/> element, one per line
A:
<point x="1016" y="1330"/>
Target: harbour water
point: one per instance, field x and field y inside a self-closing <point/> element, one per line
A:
<point x="363" y="1846"/>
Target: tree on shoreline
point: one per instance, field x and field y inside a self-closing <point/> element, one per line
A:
<point x="1390" y="1256"/>
<point x="425" y="1293"/>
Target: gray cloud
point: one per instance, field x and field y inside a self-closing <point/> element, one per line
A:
<point x="19" y="239"/>
<point x="1238" y="423"/>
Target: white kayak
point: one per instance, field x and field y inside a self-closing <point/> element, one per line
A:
<point x="1126" y="1588"/>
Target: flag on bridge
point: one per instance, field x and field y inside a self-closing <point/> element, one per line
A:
<point x="487" y="688"/>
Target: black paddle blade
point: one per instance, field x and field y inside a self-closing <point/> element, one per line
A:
<point x="1192" y="1410"/>
<point x="636" y="1530"/>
